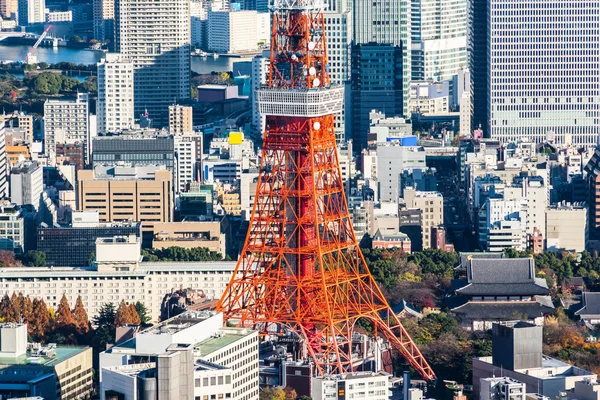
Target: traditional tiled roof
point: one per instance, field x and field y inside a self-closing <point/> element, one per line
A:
<point x="590" y="304"/>
<point x="502" y="310"/>
<point x="465" y="258"/>
<point x="501" y="277"/>
<point x="404" y="306"/>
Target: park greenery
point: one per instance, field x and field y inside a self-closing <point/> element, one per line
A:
<point x="423" y="280"/>
<point x="180" y="254"/>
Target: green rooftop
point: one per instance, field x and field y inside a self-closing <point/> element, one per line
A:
<point x="213" y="344"/>
<point x="62" y="353"/>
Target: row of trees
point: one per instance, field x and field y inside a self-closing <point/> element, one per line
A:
<point x="182" y="254"/>
<point x="66" y="325"/>
<point x="49" y="83"/>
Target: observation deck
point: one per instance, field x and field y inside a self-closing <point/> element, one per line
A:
<point x="300" y="102"/>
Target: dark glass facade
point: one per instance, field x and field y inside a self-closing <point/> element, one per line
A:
<point x="136" y="150"/>
<point x="72" y="247"/>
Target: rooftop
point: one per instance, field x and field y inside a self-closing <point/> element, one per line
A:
<point x="62" y="353"/>
<point x="226" y="337"/>
<point x="551" y="369"/>
<point x="590" y="303"/>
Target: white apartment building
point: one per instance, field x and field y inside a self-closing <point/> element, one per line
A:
<point x="156" y="37"/>
<point x="26" y="184"/>
<point x="66" y="121"/>
<point x="186" y="147"/>
<point x="439" y="38"/>
<point x="339" y="40"/>
<point x="393" y="158"/>
<point x="567" y="227"/>
<point x="260" y="70"/>
<point x="3" y="162"/>
<point x="232" y="31"/>
<point x="115" y="106"/>
<point x="505" y="234"/>
<point x="104" y="19"/>
<point x="354" y="385"/>
<point x="535" y="193"/>
<point x="31" y="12"/>
<point x="495" y="215"/>
<point x="115" y="277"/>
<point x="431" y="205"/>
<point x="59" y="16"/>
<point x="544" y="75"/>
<point x="189" y="356"/>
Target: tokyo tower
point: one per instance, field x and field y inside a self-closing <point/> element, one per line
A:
<point x="301" y="269"/>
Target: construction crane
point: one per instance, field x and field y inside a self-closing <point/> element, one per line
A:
<point x="37" y="43"/>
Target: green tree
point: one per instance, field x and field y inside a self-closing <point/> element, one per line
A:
<point x="271" y="393"/>
<point x="92" y="258"/>
<point x="90" y="85"/>
<point x="35" y="258"/>
<point x="69" y="84"/>
<point x="105" y="326"/>
<point x="142" y="313"/>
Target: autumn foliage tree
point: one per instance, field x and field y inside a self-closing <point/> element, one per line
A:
<point x="64" y="317"/>
<point x="126" y="315"/>
<point x="40" y="324"/>
<point x="82" y="323"/>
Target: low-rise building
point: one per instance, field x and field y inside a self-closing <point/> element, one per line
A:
<point x="586" y="390"/>
<point x="212" y="235"/>
<point x="391" y="240"/>
<point x="353" y="385"/>
<point x="14" y="227"/>
<point x="517" y="354"/>
<point x="567" y="227"/>
<point x="188" y="356"/>
<point x="502" y="388"/>
<point x="49" y="371"/>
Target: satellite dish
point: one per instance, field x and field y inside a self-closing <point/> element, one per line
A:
<point x="317" y="125"/>
<point x="316" y="82"/>
<point x="312" y="71"/>
<point x="294" y="58"/>
<point x="311" y="45"/>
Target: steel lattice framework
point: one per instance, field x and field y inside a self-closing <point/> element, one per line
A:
<point x="301" y="268"/>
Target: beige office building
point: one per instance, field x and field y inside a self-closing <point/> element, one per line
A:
<point x="212" y="235"/>
<point x="180" y="120"/>
<point x="431" y="205"/>
<point x="143" y="194"/>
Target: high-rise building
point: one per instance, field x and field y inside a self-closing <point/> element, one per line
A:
<point x="31" y="12"/>
<point x="386" y="23"/>
<point x="114" y="109"/>
<point x="13" y="226"/>
<point x="377" y="84"/>
<point x="180" y="120"/>
<point x="543" y="71"/>
<point x="9" y="8"/>
<point x="156" y="37"/>
<point x="104" y="20"/>
<point x="199" y="23"/>
<point x="66" y="121"/>
<point x="188" y="150"/>
<point x="26" y="184"/>
<point x="141" y="194"/>
<point x="3" y="162"/>
<point x="232" y="31"/>
<point x="338" y="20"/>
<point x="439" y="39"/>
<point x="477" y="54"/>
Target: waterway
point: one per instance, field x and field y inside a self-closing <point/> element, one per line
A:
<point x="63" y="54"/>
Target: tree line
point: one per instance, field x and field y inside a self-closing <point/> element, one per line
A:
<point x="181" y="254"/>
<point x="67" y="325"/>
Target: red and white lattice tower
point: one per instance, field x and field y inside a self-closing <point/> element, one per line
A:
<point x="301" y="269"/>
